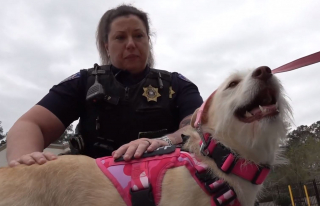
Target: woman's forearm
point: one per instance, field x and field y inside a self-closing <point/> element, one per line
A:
<point x="176" y="136"/>
<point x="23" y="138"/>
<point x="34" y="131"/>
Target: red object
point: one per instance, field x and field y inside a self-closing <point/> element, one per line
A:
<point x="138" y="174"/>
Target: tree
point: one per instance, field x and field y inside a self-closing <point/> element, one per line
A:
<point x="299" y="135"/>
<point x="1" y="132"/>
<point x="302" y="150"/>
<point x="315" y="129"/>
<point x="66" y="135"/>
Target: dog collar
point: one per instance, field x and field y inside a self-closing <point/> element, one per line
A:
<point x="228" y="162"/>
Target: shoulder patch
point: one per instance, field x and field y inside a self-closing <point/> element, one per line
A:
<point x="74" y="76"/>
<point x="184" y="78"/>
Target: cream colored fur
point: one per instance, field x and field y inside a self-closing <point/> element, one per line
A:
<point x="77" y="180"/>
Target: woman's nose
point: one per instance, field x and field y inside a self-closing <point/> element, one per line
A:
<point x="130" y="43"/>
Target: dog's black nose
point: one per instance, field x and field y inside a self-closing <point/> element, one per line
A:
<point x="262" y="73"/>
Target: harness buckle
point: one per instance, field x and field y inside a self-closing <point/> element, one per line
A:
<point x="215" y="185"/>
<point x="260" y="175"/>
<point x="224" y="158"/>
<point x="225" y="196"/>
<point x="143" y="197"/>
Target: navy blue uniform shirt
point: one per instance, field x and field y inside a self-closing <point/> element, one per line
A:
<point x="67" y="99"/>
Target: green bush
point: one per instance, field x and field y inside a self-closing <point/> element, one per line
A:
<point x="283" y="200"/>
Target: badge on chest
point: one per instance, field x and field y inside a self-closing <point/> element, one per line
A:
<point x="151" y="93"/>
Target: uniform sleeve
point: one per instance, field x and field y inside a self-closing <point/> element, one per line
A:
<point x="67" y="99"/>
<point x="188" y="98"/>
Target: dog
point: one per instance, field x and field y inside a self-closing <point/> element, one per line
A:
<point x="247" y="115"/>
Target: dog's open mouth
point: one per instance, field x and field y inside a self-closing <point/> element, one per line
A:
<point x="263" y="105"/>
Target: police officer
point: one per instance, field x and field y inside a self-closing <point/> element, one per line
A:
<point x="125" y="106"/>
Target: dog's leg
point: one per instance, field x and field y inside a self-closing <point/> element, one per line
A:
<point x="69" y="180"/>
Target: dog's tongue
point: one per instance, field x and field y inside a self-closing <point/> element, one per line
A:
<point x="267" y="110"/>
<point x="256" y="111"/>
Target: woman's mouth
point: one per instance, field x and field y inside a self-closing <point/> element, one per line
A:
<point x="131" y="56"/>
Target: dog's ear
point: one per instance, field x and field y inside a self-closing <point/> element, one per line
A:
<point x="204" y="116"/>
<point x="194" y="117"/>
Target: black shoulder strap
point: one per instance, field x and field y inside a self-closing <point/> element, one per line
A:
<point x="164" y="75"/>
<point x="102" y="71"/>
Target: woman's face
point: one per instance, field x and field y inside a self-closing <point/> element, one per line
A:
<point x="128" y="44"/>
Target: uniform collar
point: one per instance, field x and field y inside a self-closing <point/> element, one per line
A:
<point x="128" y="79"/>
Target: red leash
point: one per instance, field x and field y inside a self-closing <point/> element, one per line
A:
<point x="302" y="62"/>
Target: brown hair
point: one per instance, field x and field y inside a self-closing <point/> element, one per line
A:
<point x="104" y="29"/>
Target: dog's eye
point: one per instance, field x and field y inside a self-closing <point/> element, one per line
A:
<point x="233" y="84"/>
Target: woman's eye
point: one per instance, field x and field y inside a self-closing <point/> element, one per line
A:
<point x="120" y="37"/>
<point x="139" y="36"/>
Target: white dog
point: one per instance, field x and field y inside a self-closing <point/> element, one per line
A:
<point x="246" y="118"/>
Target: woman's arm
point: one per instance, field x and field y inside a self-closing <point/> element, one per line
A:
<point x="137" y="147"/>
<point x="176" y="136"/>
<point x="33" y="132"/>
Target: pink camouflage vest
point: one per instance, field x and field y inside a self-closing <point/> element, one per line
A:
<point x="140" y="174"/>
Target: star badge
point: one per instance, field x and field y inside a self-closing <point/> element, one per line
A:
<point x="151" y="93"/>
<point x="171" y="92"/>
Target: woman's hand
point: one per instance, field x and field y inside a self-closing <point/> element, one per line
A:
<point x="137" y="147"/>
<point x="33" y="158"/>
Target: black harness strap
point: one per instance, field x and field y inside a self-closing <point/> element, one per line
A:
<point x="142" y="197"/>
<point x="216" y="188"/>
